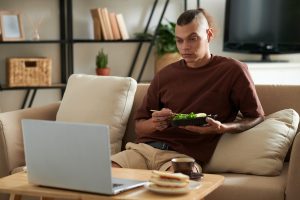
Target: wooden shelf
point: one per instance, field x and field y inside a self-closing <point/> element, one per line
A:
<point x="53" y="86"/>
<point x="110" y="41"/>
<point x="33" y="42"/>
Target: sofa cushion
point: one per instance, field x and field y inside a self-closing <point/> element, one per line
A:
<point x="250" y="187"/>
<point x="99" y="99"/>
<point x="260" y="150"/>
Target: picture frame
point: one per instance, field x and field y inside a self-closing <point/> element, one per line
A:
<point x="11" y="28"/>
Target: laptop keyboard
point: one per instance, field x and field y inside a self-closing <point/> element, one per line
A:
<point x="117" y="185"/>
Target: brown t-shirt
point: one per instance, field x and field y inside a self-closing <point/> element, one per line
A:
<point x="221" y="87"/>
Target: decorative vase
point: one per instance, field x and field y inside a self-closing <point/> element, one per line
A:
<point x="36" y="35"/>
<point x="166" y="59"/>
<point x="103" y="71"/>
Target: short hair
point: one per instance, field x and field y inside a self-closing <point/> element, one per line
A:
<point x="189" y="15"/>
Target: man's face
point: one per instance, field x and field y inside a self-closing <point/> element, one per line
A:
<point x="193" y="42"/>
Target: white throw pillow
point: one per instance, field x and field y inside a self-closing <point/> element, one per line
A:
<point x="99" y="99"/>
<point x="260" y="150"/>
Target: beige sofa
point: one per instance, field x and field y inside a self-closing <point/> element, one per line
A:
<point x="236" y="186"/>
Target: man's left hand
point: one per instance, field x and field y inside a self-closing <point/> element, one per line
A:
<point x="216" y="127"/>
<point x="212" y="127"/>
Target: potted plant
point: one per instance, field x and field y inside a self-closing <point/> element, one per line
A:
<point x="165" y="43"/>
<point x="101" y="64"/>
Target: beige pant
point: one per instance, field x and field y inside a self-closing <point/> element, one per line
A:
<point x="144" y="156"/>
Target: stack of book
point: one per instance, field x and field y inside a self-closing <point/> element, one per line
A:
<point x="108" y="25"/>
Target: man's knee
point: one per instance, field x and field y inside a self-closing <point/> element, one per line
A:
<point x="125" y="159"/>
<point x="116" y="165"/>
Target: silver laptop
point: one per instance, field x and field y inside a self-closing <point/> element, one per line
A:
<point x="71" y="156"/>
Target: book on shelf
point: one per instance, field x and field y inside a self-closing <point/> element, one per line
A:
<point x="122" y="26"/>
<point x="96" y="24"/>
<point x="114" y="26"/>
<point x="107" y="23"/>
<point x="102" y="25"/>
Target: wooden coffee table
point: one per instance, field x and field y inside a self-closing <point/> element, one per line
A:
<point x="17" y="186"/>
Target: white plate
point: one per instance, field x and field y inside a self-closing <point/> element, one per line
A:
<point x="152" y="187"/>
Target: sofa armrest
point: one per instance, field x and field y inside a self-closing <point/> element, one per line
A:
<point x="293" y="181"/>
<point x="11" y="138"/>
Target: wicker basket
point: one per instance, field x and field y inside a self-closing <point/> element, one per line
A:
<point x="29" y="72"/>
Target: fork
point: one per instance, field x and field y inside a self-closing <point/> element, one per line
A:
<point x="152" y="110"/>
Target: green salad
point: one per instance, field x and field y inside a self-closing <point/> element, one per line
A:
<point x="191" y="115"/>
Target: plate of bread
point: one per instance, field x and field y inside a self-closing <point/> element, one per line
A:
<point x="170" y="183"/>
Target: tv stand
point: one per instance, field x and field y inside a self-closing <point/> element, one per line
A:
<point x="265" y="58"/>
<point x="275" y="72"/>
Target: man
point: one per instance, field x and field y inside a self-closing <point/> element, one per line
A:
<point x="200" y="82"/>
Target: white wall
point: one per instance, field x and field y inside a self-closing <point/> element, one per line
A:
<point x="135" y="13"/>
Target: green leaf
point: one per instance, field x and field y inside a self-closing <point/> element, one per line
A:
<point x="101" y="59"/>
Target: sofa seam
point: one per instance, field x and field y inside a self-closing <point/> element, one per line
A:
<point x="5" y="143"/>
<point x="290" y="129"/>
<point x="296" y="132"/>
<point x="126" y="101"/>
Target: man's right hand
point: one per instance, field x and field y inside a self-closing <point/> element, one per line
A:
<point x="161" y="118"/>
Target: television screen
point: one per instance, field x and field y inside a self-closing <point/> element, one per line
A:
<point x="262" y="26"/>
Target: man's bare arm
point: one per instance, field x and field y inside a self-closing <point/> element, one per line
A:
<point x="232" y="127"/>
